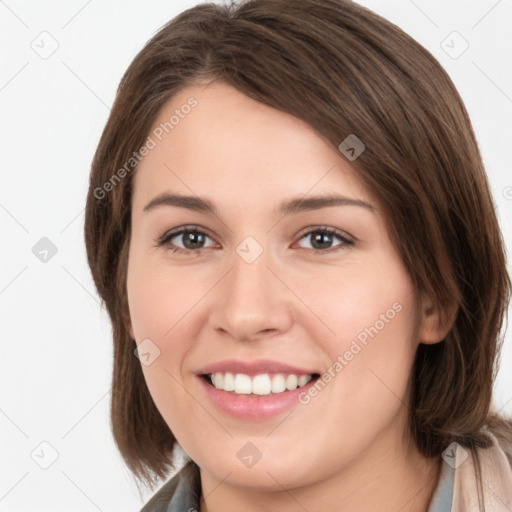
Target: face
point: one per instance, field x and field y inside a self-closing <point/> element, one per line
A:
<point x="263" y="299"/>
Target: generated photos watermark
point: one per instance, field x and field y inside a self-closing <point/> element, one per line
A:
<point x="151" y="143"/>
<point x="356" y="346"/>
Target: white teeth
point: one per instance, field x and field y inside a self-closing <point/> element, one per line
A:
<point x="243" y="384"/>
<point x="263" y="384"/>
<point x="218" y="380"/>
<point x="291" y="382"/>
<point x="229" y="382"/>
<point x="278" y="383"/>
<point x="303" y="380"/>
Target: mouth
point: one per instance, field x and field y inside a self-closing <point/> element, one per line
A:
<point x="259" y="385"/>
<point x="255" y="389"/>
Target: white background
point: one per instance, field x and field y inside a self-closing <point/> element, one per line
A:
<point x="56" y="353"/>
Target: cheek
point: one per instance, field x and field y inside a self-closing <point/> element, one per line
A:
<point x="371" y="343"/>
<point x="161" y="300"/>
<point x="362" y="299"/>
<point x="374" y="358"/>
<point x="165" y="306"/>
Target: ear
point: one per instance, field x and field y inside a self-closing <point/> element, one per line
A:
<point x="434" y="324"/>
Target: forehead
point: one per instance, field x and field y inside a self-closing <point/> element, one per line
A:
<point x="214" y="141"/>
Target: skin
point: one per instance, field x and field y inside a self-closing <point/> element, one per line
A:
<point x="346" y="450"/>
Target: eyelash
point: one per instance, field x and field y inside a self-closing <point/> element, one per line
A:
<point x="166" y="237"/>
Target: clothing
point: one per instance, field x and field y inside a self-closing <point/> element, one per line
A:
<point x="456" y="490"/>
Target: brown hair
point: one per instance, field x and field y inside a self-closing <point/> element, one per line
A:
<point x="344" y="70"/>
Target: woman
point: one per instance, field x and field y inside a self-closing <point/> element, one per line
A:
<point x="291" y="227"/>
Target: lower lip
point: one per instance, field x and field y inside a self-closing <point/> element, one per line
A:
<point x="250" y="407"/>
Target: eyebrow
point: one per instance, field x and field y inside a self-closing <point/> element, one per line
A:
<point x="294" y="205"/>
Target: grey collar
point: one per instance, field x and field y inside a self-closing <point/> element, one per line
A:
<point x="181" y="493"/>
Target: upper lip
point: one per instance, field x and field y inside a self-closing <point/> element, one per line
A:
<point x="254" y="367"/>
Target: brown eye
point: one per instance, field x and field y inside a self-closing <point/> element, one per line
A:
<point x="184" y="240"/>
<point x="192" y="240"/>
<point x="321" y="240"/>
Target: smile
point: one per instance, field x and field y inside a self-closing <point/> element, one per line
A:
<point x="261" y="385"/>
<point x="254" y="390"/>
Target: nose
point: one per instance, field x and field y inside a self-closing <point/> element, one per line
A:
<point x="251" y="301"/>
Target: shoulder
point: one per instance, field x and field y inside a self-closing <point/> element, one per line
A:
<point x="179" y="494"/>
<point x="496" y="475"/>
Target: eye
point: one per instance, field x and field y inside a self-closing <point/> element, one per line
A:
<point x="190" y="238"/>
<point x="322" y="238"/>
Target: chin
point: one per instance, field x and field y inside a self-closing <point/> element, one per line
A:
<point x="273" y="474"/>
